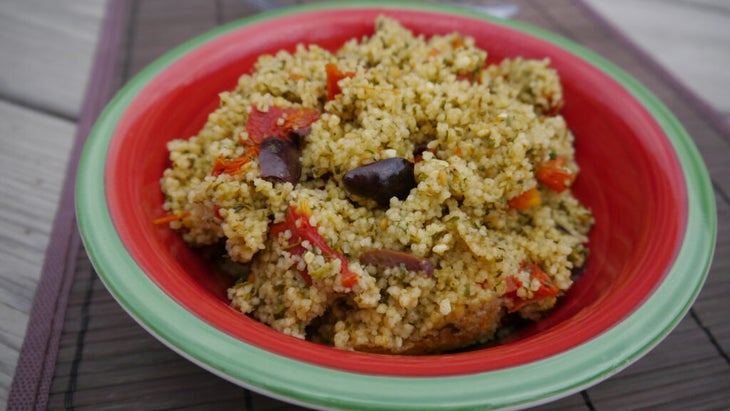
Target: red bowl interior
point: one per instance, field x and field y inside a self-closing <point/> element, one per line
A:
<point x="630" y="178"/>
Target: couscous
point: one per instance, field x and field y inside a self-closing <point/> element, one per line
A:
<point x="397" y="195"/>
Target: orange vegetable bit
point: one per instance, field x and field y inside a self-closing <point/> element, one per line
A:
<point x="262" y="124"/>
<point x="529" y="198"/>
<point x="471" y="77"/>
<point x="547" y="288"/>
<point x="334" y="75"/>
<point x="555" y="174"/>
<point x="170" y="218"/>
<point x="232" y="166"/>
<point x="554" y="108"/>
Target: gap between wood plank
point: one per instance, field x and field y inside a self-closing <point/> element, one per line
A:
<point x="720" y="192"/>
<point x="37" y="108"/>
<point x="71" y="387"/>
<point x="709" y="335"/>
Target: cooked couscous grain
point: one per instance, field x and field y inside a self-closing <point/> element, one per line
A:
<point x="396" y="195"/>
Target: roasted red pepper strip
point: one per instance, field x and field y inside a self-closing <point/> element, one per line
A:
<point x="547" y="288"/>
<point x="334" y="75"/>
<point x="298" y="224"/>
<point x="555" y="174"/>
<point x="262" y="124"/>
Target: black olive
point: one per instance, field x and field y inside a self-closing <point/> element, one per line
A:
<point x="279" y="160"/>
<point x="382" y="180"/>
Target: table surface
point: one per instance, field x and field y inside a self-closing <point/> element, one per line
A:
<point x="60" y="61"/>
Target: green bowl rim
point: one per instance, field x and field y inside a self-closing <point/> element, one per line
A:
<point x="307" y="384"/>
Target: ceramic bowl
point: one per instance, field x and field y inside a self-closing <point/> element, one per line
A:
<point x="640" y="174"/>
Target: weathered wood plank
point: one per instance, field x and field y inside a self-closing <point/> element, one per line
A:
<point x="694" y="53"/>
<point x="574" y="402"/>
<point x="160" y="26"/>
<point x="230" y="10"/>
<point x="46" y="52"/>
<point x="705" y="380"/>
<point x="123" y="362"/>
<point x="163" y="393"/>
<point x="685" y="365"/>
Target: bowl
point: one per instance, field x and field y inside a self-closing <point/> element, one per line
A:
<point x="641" y="176"/>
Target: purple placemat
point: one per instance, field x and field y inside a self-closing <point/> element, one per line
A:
<point x="37" y="360"/>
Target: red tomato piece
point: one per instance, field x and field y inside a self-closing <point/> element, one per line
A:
<point x="334" y="75"/>
<point x="529" y="198"/>
<point x="555" y="174"/>
<point x="263" y="124"/>
<point x="547" y="288"/>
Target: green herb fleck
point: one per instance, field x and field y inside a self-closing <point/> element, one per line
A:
<point x="279" y="313"/>
<point x="451" y="219"/>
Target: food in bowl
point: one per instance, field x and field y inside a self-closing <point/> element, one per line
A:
<point x="397" y="195"/>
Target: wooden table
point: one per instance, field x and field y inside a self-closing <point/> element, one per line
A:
<point x="82" y="351"/>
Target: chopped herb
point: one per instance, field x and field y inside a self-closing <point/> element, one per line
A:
<point x="279" y="313"/>
<point x="292" y="245"/>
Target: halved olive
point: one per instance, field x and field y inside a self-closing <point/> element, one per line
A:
<point x="279" y="160"/>
<point x="382" y="180"/>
